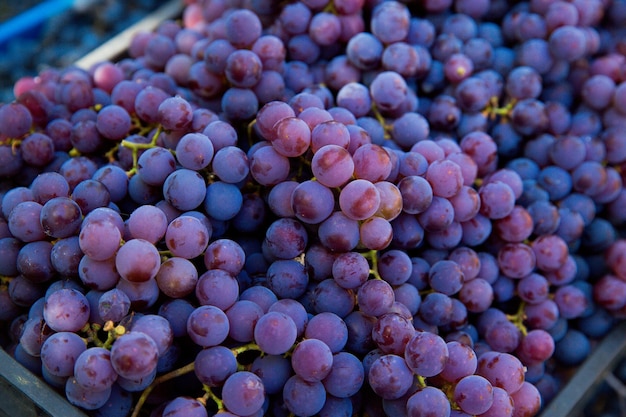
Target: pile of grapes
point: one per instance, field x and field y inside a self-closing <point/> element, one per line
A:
<point x="64" y="37"/>
<point x="321" y="208"/>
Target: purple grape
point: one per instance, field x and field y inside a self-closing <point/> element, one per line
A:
<point x="66" y="310"/>
<point x="178" y="241"/>
<point x="60" y="351"/>
<point x="185" y="406"/>
<point x="113" y="305"/>
<point x="429" y="400"/>
<point x="312" y="360"/>
<point x="194" y="151"/>
<point x="85" y="398"/>
<point x="137" y="261"/>
<point x="302" y="397"/>
<point x="474" y="394"/>
<point x="217" y="288"/>
<point x="390" y="377"/>
<point x="502" y="370"/>
<point x="275" y="333"/>
<point x="158" y="328"/>
<point x="184" y="189"/>
<point x="93" y="369"/>
<point x="134" y="355"/>
<point x="214" y="365"/>
<point x="207" y="326"/>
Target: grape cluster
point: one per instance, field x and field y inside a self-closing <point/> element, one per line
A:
<point x="321" y="208"/>
<point x="60" y="37"/>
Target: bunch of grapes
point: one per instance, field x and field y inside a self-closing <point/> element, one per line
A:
<point x="321" y="208"/>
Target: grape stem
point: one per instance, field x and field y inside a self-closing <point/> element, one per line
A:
<point x="518" y="319"/>
<point x="136" y="147"/>
<point x="373" y="258"/>
<point x="381" y="119"/>
<point x="209" y="394"/>
<point x="159" y="380"/>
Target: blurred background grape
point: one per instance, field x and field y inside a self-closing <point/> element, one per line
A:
<point x="65" y="37"/>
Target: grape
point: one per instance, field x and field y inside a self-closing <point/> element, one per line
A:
<point x="60" y="217"/>
<point x="115" y="180"/>
<point x="303" y="398"/>
<point x="230" y="164"/>
<point x="390" y="377"/>
<point x="567" y="43"/>
<point x="396" y="324"/>
<point x="85" y="398"/>
<point x="147" y="222"/>
<point x="134" y="355"/>
<point x="93" y="369"/>
<point x="502" y="370"/>
<point x="287" y="278"/>
<point x="268" y="167"/>
<point x="136" y="384"/>
<point x="66" y="310"/>
<point x="516" y="260"/>
<point x="429" y="400"/>
<point x="426" y="354"/>
<point x="137" y="261"/>
<point x="286" y="238"/>
<point x="113" y="305"/>
<point x="312" y="360"/>
<point x="332" y="165"/>
<point x="312" y="202"/>
<point x="262" y="296"/>
<point x="184" y="189"/>
<point x="474" y="394"/>
<point x="24" y="221"/>
<point x="243" y="68"/>
<point x="390" y="22"/>
<point x="214" y="365"/>
<point x="296" y="311"/>
<point x="275" y="333"/>
<point x="274" y="370"/>
<point x="185" y="406"/>
<point x="60" y="351"/>
<point x="527" y="399"/>
<point x="417" y="194"/>
<point x="16" y="120"/>
<point x="324" y="28"/>
<point x="217" y="288"/>
<point x="350" y="270"/>
<point x="207" y="326"/>
<point x="194" y="151"/>
<point x="446" y="277"/>
<point x="158" y="328"/>
<point x="177" y="241"/>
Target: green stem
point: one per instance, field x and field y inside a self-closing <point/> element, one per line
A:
<point x="518" y="318"/>
<point x="213" y="397"/>
<point x="245" y="348"/>
<point x="373" y="258"/>
<point x="163" y="378"/>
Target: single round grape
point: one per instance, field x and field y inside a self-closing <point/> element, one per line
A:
<point x="60" y="351"/>
<point x="312" y="360"/>
<point x="66" y="310"/>
<point x="137" y="260"/>
<point x="93" y="369"/>
<point x="390" y="377"/>
<point x="134" y="355"/>
<point x="208" y="326"/>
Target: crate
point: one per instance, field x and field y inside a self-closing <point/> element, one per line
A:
<point x="22" y="394"/>
<point x="117" y="46"/>
<point x="597" y="369"/>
